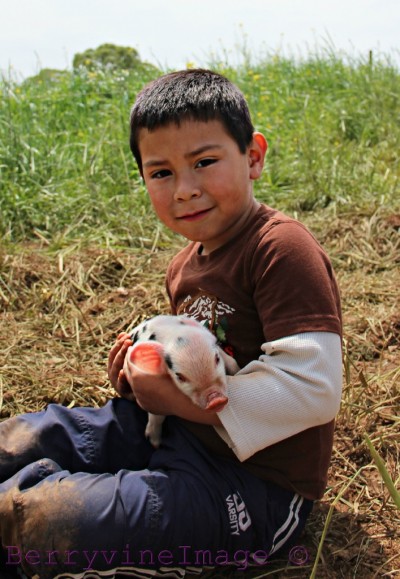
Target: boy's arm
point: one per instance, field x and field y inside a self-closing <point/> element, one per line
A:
<point x="159" y="395"/>
<point x="295" y="385"/>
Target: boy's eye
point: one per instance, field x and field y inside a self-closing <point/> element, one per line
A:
<point x="205" y="162"/>
<point x="161" y="174"/>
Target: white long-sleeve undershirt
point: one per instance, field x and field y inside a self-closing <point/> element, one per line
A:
<point x="295" y="385"/>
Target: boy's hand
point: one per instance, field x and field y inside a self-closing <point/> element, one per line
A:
<point x="156" y="394"/>
<point x="159" y="395"/>
<point x="116" y="359"/>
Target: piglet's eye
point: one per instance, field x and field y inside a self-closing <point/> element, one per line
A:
<point x="217" y="359"/>
<point x="181" y="377"/>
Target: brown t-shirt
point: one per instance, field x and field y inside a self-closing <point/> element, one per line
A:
<point x="271" y="281"/>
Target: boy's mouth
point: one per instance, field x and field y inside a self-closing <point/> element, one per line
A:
<point x="195" y="215"/>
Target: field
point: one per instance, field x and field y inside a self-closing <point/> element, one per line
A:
<point x="82" y="257"/>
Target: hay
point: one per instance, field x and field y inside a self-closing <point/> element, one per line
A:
<point x="61" y="310"/>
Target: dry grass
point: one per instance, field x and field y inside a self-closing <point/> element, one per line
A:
<point x="61" y="310"/>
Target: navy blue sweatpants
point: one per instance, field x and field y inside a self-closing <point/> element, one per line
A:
<point x="82" y="489"/>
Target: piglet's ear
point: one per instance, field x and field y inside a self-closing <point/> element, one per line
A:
<point x="148" y="357"/>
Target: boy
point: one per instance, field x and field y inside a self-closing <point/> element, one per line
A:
<point x="83" y="489"/>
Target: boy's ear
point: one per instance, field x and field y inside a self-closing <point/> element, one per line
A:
<point x="256" y="153"/>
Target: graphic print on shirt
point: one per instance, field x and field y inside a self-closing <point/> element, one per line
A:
<point x="212" y="313"/>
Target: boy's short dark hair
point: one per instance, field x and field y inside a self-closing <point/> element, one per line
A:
<point x="195" y="94"/>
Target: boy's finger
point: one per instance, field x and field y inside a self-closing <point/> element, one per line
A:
<point x="120" y="347"/>
<point x="123" y="387"/>
<point x="116" y="361"/>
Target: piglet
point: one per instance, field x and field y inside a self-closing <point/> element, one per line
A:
<point x="188" y="352"/>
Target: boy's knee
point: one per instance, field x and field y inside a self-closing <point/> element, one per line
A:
<point x="23" y="488"/>
<point x="43" y="517"/>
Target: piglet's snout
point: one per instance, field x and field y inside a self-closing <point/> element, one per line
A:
<point x="213" y="397"/>
<point x="216" y="401"/>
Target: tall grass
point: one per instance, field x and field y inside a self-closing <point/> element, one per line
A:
<point x="66" y="169"/>
<point x="333" y="129"/>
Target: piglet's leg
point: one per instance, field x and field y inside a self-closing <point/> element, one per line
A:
<point x="154" y="429"/>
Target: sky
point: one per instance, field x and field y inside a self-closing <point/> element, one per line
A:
<point x="36" y="34"/>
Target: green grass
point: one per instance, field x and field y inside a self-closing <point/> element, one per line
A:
<point x="66" y="168"/>
<point x="333" y="127"/>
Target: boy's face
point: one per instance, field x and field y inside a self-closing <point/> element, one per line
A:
<point x="199" y="182"/>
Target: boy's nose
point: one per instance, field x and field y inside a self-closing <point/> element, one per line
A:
<point x="186" y="190"/>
